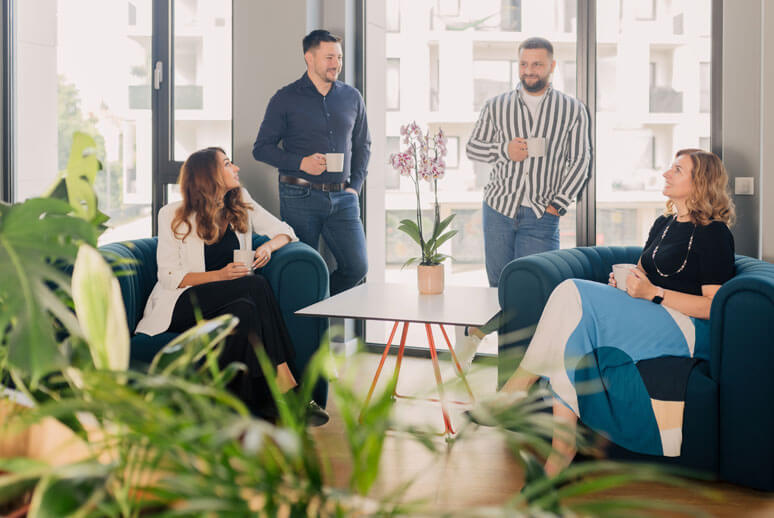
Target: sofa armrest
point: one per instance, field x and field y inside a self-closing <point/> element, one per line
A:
<point x="526" y="283"/>
<point x="299" y="277"/>
<point x="742" y="341"/>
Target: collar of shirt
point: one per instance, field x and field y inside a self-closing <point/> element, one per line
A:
<point x="306" y="82"/>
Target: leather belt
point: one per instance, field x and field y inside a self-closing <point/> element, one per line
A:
<point x="325" y="187"/>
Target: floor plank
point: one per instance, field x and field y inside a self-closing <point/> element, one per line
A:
<point x="478" y="469"/>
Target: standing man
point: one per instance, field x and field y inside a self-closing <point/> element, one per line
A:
<point x="314" y="116"/>
<point x="538" y="142"/>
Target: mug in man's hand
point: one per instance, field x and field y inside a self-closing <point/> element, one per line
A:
<point x="536" y="147"/>
<point x="335" y="162"/>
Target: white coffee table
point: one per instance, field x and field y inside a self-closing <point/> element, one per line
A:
<point x="457" y="305"/>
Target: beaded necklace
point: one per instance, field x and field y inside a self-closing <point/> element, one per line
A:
<point x="687" y="253"/>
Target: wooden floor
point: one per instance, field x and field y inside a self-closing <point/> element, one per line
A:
<point x="478" y="469"/>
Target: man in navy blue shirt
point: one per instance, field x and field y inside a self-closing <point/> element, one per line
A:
<point x="311" y="117"/>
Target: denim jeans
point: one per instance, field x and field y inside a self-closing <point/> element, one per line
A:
<point x="335" y="216"/>
<point x="506" y="239"/>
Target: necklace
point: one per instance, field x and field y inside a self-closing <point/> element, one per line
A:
<point x="687" y="253"/>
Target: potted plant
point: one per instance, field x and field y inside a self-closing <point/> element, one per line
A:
<point x="424" y="159"/>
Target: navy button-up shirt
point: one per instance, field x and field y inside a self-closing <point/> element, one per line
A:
<point x="307" y="122"/>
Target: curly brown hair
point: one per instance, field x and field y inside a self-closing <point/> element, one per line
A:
<point x="709" y="199"/>
<point x="206" y="197"/>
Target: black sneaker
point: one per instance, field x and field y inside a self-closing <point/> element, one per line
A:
<point x="316" y="415"/>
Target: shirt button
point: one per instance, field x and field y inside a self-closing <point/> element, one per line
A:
<point x="331" y="132"/>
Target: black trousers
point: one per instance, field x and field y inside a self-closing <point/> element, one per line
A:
<point x="252" y="301"/>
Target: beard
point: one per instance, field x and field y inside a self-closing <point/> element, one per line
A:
<point x="326" y="72"/>
<point x="538" y="85"/>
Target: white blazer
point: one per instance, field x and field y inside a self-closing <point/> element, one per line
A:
<point x="177" y="257"/>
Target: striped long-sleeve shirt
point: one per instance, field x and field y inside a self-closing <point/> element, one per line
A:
<point x="553" y="179"/>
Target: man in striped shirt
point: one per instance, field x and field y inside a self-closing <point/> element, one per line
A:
<point x="537" y="140"/>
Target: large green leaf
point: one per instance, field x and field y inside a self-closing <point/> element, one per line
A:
<point x="75" y="183"/>
<point x="70" y="489"/>
<point x="100" y="309"/>
<point x="410" y="228"/>
<point x="442" y="226"/>
<point x="35" y="236"/>
<point x="441" y="240"/>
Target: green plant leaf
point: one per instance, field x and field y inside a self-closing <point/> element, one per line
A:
<point x="409" y="262"/>
<point x="74" y="184"/>
<point x="69" y="490"/>
<point x="37" y="238"/>
<point x="189" y="347"/>
<point x="410" y="228"/>
<point x="100" y="309"/>
<point x="442" y="226"/>
<point x="444" y="238"/>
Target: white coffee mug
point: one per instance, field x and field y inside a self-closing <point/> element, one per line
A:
<point x="335" y="162"/>
<point x="245" y="257"/>
<point x="536" y="147"/>
<point x="621" y="272"/>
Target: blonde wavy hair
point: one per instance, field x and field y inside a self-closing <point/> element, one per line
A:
<point x="205" y="196"/>
<point x="709" y="199"/>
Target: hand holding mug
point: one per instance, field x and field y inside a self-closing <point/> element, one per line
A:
<point x="314" y="164"/>
<point x="639" y="286"/>
<point x="517" y="149"/>
<point x="232" y="271"/>
<point x="611" y="280"/>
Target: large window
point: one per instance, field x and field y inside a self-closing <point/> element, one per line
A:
<point x="74" y="74"/>
<point x="653" y="95"/>
<point x="650" y="85"/>
<point x="448" y="67"/>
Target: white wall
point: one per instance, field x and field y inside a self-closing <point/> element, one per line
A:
<point x="36" y="69"/>
<point x="267" y="56"/>
<point x="767" y="163"/>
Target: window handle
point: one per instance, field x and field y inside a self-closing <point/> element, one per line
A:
<point x="158" y="75"/>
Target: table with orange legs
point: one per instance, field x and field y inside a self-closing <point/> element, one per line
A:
<point x="458" y="305"/>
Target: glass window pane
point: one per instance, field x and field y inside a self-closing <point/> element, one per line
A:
<point x="653" y="92"/>
<point x="67" y="83"/>
<point x="202" y="55"/>
<point x="440" y="74"/>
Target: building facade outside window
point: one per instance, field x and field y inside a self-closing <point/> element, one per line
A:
<point x="66" y="82"/>
<point x="650" y="87"/>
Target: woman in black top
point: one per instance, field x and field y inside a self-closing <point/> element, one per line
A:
<point x="620" y="360"/>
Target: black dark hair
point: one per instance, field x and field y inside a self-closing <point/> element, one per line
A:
<point x="537" y="43"/>
<point x="314" y="38"/>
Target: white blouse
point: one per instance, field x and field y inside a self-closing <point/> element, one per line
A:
<point x="178" y="257"/>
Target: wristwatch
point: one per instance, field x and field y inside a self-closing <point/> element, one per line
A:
<point x="561" y="210"/>
<point x="659" y="298"/>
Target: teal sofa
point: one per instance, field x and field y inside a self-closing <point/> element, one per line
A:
<point x="296" y="272"/>
<point x="728" y="426"/>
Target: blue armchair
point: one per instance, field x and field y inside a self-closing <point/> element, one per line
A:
<point x="296" y="272"/>
<point x="728" y="427"/>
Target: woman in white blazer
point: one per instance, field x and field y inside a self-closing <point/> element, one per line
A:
<point x="196" y="272"/>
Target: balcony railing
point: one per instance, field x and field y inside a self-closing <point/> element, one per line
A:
<point x="187" y="97"/>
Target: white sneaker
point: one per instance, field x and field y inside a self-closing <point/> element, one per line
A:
<point x="465" y="348"/>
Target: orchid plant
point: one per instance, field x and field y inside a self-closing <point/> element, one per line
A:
<point x="424" y="159"/>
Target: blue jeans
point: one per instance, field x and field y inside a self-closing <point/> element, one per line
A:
<point x="506" y="239"/>
<point x="335" y="216"/>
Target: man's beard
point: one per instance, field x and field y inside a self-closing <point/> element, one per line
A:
<point x="327" y="79"/>
<point x="539" y="84"/>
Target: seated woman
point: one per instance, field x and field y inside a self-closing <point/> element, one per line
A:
<point x="620" y="360"/>
<point x="196" y="272"/>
